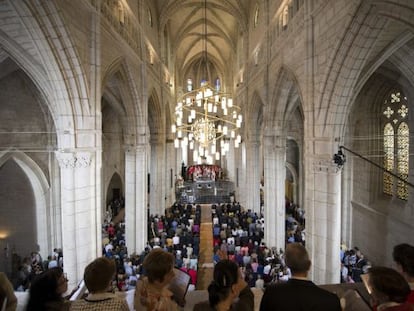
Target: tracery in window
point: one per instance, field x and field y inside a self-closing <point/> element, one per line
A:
<point x="396" y="144"/>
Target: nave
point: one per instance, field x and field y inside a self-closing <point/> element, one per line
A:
<point x="91" y="99"/>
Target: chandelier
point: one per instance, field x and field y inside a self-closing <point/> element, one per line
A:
<point x="206" y="119"/>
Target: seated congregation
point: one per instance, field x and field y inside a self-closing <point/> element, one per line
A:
<point x="246" y="273"/>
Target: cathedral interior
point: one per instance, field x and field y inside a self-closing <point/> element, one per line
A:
<point x="88" y="99"/>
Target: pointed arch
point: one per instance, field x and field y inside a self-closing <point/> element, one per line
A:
<point x="60" y="78"/>
<point x="156" y="121"/>
<point x="119" y="85"/>
<point x="116" y="181"/>
<point x="290" y="188"/>
<point x="286" y="98"/>
<point x="40" y="187"/>
<point x="254" y="117"/>
<point x="345" y="68"/>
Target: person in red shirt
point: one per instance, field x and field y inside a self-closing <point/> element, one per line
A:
<point x="193" y="274"/>
<point x="403" y="255"/>
<point x="111" y="231"/>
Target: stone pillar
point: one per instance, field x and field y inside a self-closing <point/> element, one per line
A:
<point x="230" y="158"/>
<point x="170" y="173"/>
<point x="136" y="199"/>
<point x="79" y="215"/>
<point x="323" y="220"/>
<point x="346" y="195"/>
<point x="253" y="176"/>
<point x="301" y="178"/>
<point x="274" y="190"/>
<point x="179" y="158"/>
<point x="157" y="194"/>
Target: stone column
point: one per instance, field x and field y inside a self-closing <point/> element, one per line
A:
<point x="157" y="194"/>
<point x="179" y="159"/>
<point x="346" y="195"/>
<point x="170" y="173"/>
<point x="79" y="215"/>
<point x="274" y="153"/>
<point x="231" y="167"/>
<point x="136" y="199"/>
<point x="323" y="220"/>
<point x="253" y="176"/>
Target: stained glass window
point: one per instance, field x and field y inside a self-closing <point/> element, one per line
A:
<point x="396" y="144"/>
<point x="402" y="156"/>
<point x="388" y="157"/>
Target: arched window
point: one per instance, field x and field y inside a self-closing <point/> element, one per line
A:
<point x="388" y="157"/>
<point x="396" y="144"/>
<point x="402" y="158"/>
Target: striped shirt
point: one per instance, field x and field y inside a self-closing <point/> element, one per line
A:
<point x="99" y="302"/>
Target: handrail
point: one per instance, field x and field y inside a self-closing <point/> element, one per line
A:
<point x="376" y="165"/>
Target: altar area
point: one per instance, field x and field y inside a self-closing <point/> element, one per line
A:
<point x="203" y="184"/>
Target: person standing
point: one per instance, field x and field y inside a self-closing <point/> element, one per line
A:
<point x="298" y="293"/>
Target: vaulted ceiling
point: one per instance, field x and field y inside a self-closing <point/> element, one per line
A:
<point x="204" y="28"/>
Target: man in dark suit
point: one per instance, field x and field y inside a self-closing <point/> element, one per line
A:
<point x="298" y="294"/>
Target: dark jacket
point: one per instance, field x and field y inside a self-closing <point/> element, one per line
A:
<point x="244" y="303"/>
<point x="298" y="295"/>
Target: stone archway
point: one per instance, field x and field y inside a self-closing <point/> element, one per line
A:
<point x="28" y="186"/>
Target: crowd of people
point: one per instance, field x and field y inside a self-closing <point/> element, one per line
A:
<point x="353" y="264"/>
<point x="238" y="237"/>
<point x="391" y="289"/>
<point x="176" y="232"/>
<point x="25" y="269"/>
<point x="241" y="261"/>
<point x="295" y="223"/>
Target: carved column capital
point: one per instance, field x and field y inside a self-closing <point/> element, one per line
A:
<point x="325" y="166"/>
<point x="74" y="159"/>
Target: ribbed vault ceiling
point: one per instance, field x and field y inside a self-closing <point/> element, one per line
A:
<point x="187" y="22"/>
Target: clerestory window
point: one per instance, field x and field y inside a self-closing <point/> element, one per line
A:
<point x="396" y="144"/>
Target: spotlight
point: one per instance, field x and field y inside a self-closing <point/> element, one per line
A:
<point x="339" y="158"/>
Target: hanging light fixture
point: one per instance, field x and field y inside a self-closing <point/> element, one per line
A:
<point x="206" y="119"/>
